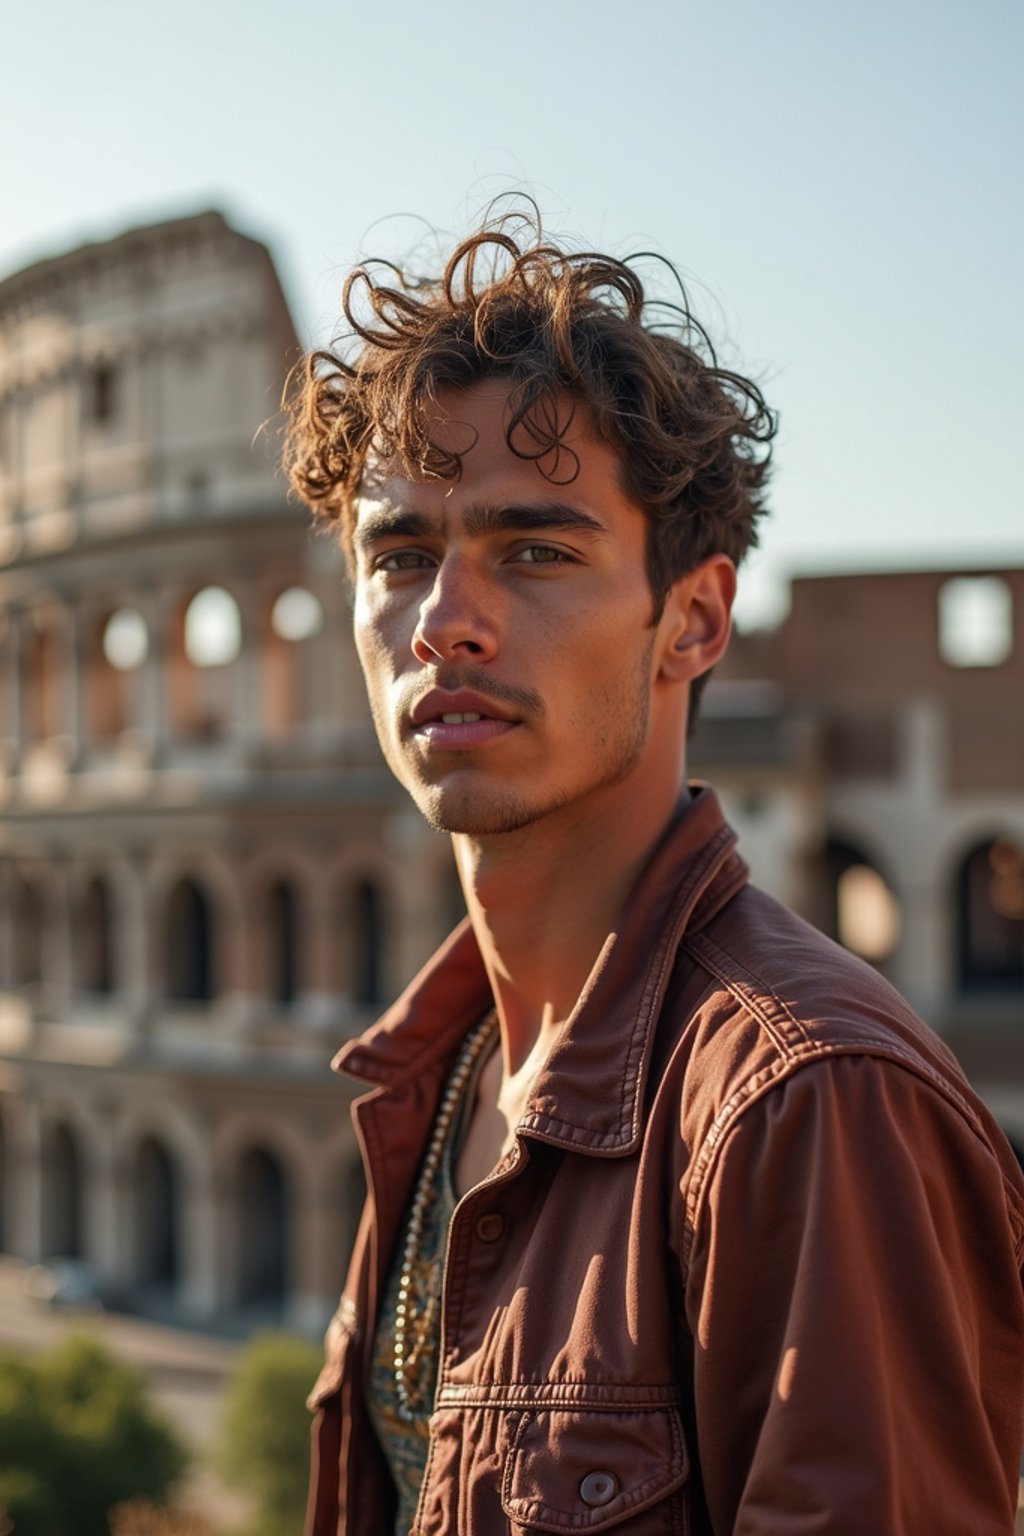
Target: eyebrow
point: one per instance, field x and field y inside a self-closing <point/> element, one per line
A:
<point x="479" y="520"/>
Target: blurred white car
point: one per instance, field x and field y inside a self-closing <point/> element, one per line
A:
<point x="65" y="1283"/>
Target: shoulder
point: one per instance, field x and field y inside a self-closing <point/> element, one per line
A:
<point x="783" y="1026"/>
<point x="798" y="997"/>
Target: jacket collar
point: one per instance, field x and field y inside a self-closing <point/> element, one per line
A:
<point x="588" y="1095"/>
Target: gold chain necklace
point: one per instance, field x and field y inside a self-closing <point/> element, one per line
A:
<point x="415" y="1329"/>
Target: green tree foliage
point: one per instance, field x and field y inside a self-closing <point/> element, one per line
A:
<point x="77" y="1436"/>
<point x="265" y="1430"/>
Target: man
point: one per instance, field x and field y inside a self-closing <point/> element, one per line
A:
<point x="679" y="1219"/>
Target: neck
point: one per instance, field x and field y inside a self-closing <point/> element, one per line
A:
<point x="542" y="902"/>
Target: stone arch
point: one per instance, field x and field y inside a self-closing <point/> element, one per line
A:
<point x="62" y="1192"/>
<point x="218" y="879"/>
<point x="284" y="932"/>
<point x="366" y="919"/>
<point x="265" y="1222"/>
<point x="94" y="965"/>
<point x="189" y="939"/>
<point x="364" y="909"/>
<point x="989" y="907"/>
<point x="352" y="973"/>
<point x="27" y="909"/>
<point x="286" y="653"/>
<point x="155" y="1184"/>
<point x="272" y="927"/>
<point x="288" y="1181"/>
<point x="113" y="668"/>
<point x="203" y="698"/>
<point x="858" y="903"/>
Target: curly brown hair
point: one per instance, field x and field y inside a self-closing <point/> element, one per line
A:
<point x="693" y="438"/>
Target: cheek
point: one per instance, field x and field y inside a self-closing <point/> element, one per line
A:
<point x="373" y="646"/>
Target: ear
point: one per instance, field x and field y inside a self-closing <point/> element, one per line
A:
<point x="693" y="630"/>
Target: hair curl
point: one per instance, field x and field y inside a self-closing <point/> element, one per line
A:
<point x="693" y="438"/>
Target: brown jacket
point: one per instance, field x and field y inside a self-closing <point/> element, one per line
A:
<point x="753" y="1266"/>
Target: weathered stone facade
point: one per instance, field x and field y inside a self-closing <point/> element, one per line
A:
<point x="207" y="878"/>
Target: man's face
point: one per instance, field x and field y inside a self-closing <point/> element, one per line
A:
<point x="504" y="625"/>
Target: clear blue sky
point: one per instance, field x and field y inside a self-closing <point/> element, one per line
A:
<point x="839" y="179"/>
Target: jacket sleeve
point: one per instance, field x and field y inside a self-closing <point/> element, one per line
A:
<point x="854" y="1295"/>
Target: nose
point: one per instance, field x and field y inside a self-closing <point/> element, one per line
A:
<point x="456" y="620"/>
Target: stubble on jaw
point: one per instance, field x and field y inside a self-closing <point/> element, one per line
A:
<point x="499" y="807"/>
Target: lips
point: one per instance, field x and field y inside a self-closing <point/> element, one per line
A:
<point x="459" y="720"/>
<point x="462" y="707"/>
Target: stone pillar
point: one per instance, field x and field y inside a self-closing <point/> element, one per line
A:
<point x="57" y="956"/>
<point x="73" y="711"/>
<point x="106" y="1229"/>
<point x="10" y="688"/>
<point x="321" y="999"/>
<point x="134" y="942"/>
<point x="153" y="719"/>
<point x="308" y="1307"/>
<point x="23" y="1132"/>
<point x="246" y="699"/>
<point x="200" y="1234"/>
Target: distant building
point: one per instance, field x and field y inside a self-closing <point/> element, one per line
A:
<point x="871" y="755"/>
<point x="207" y="878"/>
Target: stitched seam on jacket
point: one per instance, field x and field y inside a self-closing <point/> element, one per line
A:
<point x="762" y="1082"/>
<point x="757" y="997"/>
<point x="869" y="1045"/>
<point x="534" y="1509"/>
<point x="531" y="1394"/>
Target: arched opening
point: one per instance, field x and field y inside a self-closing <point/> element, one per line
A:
<point x="990" y="917"/>
<point x="861" y="910"/>
<point x="62" y="1195"/>
<point x="119" y="646"/>
<point x="263" y="1223"/>
<point x="155" y="1188"/>
<point x="42" y="685"/>
<point x="284" y="933"/>
<point x="205" y="642"/>
<point x="292" y="621"/>
<point x="94" y="947"/>
<point x="366" y="932"/>
<point x="188" y="944"/>
<point x="28" y="933"/>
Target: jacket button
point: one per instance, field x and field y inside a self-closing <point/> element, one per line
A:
<point x="598" y="1487"/>
<point x="490" y="1227"/>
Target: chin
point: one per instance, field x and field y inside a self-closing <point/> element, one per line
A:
<point x="482" y="815"/>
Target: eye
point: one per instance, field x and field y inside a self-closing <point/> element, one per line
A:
<point x="543" y="554"/>
<point x="402" y="560"/>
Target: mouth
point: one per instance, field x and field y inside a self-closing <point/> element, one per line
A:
<point x="458" y="720"/>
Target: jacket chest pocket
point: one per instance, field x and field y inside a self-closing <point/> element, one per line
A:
<point x="570" y="1471"/>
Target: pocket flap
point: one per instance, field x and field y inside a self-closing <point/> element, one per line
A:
<point x="569" y="1471"/>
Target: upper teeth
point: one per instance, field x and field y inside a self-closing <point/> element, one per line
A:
<point x="466" y="719"/>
